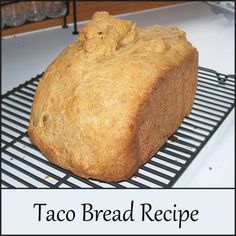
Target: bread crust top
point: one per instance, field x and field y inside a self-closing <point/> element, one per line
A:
<point x="93" y="91"/>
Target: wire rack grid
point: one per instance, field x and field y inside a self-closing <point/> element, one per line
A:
<point x="24" y="166"/>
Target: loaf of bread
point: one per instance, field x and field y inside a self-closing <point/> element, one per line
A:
<point x="112" y="98"/>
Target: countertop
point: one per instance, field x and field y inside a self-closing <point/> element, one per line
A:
<point x="26" y="55"/>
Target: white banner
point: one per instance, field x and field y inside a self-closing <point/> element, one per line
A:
<point x="67" y="211"/>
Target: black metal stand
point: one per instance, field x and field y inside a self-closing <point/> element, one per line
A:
<point x="65" y="23"/>
<point x="67" y="13"/>
<point x="75" y="18"/>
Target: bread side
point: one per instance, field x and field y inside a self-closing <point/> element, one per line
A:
<point x="169" y="102"/>
<point x="112" y="98"/>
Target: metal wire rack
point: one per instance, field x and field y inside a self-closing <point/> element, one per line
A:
<point x="24" y="166"/>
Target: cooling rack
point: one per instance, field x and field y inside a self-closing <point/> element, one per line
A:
<point x="24" y="166"/>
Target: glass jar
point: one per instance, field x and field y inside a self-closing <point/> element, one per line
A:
<point x="2" y="18"/>
<point x="56" y="9"/>
<point x="14" y="14"/>
<point x="36" y="10"/>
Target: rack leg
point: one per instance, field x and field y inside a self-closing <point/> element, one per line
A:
<point x="64" y="22"/>
<point x="75" y="18"/>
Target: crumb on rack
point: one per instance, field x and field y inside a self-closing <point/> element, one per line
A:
<point x="135" y="175"/>
<point x="46" y="177"/>
<point x="210" y="168"/>
<point x="173" y="138"/>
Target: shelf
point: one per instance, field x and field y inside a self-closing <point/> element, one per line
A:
<point x="85" y="9"/>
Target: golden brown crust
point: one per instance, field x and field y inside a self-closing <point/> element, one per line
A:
<point x="112" y="98"/>
<point x="169" y="102"/>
